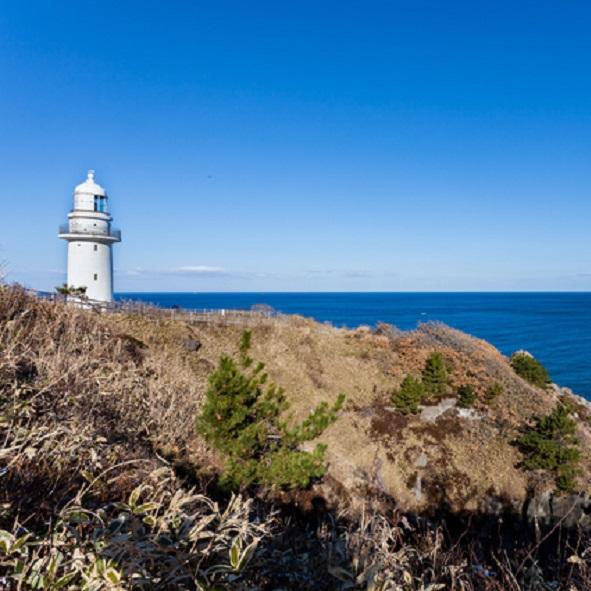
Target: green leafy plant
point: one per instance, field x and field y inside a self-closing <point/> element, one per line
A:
<point x="408" y="397"/>
<point x="530" y="369"/>
<point x="551" y="444"/>
<point x="435" y="375"/>
<point x="466" y="396"/>
<point x="162" y="536"/>
<point x="69" y="290"/>
<point x="241" y="418"/>
<point x="493" y="392"/>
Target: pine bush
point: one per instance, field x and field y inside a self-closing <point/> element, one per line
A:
<point x="493" y="392"/>
<point x="241" y="418"/>
<point x="466" y="396"/>
<point x="435" y="376"/>
<point x="409" y="396"/>
<point x="530" y="369"/>
<point x="551" y="445"/>
<point x="70" y="290"/>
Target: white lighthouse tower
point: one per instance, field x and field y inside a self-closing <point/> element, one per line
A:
<point x="90" y="238"/>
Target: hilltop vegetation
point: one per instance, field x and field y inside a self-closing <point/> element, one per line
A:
<point x="241" y="417"/>
<point x="551" y="444"/>
<point x="530" y="369"/>
<point x="145" y="450"/>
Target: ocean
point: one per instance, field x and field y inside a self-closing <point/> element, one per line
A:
<point x="554" y="327"/>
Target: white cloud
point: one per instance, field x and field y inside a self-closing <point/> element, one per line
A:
<point x="182" y="270"/>
<point x="198" y="269"/>
<point x="130" y="272"/>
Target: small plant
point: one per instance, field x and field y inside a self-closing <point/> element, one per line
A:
<point x="153" y="536"/>
<point x="493" y="392"/>
<point x="466" y="396"/>
<point x="435" y="376"/>
<point x="242" y="419"/>
<point x="530" y="369"/>
<point x="69" y="290"/>
<point x="551" y="444"/>
<point x="409" y="396"/>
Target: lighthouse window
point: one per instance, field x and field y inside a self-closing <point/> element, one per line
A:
<point x="95" y="277"/>
<point x="99" y="203"/>
<point x="95" y="247"/>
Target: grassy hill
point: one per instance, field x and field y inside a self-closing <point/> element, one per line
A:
<point x="106" y="483"/>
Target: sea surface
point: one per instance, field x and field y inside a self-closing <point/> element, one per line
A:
<point x="554" y="327"/>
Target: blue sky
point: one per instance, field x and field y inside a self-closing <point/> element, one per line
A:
<point x="302" y="145"/>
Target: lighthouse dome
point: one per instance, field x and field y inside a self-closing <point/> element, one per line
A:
<point x="90" y="196"/>
<point x="90" y="187"/>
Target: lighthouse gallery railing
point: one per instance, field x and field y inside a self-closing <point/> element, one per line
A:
<point x="65" y="229"/>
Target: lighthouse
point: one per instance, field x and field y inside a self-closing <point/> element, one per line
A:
<point x="90" y="239"/>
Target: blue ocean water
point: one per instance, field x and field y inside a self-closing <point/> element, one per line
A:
<point x="555" y="327"/>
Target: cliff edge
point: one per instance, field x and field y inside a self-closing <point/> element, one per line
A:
<point x="98" y="414"/>
<point x="462" y="459"/>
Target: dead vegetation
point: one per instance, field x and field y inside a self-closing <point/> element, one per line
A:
<point x="104" y="483"/>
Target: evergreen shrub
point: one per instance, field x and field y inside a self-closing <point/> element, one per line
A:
<point x="530" y="369"/>
<point x="435" y="375"/>
<point x="493" y="392"/>
<point x="409" y="396"/>
<point x="242" y="418"/>
<point x="551" y="445"/>
<point x="466" y="396"/>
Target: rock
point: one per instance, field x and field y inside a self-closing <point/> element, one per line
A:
<point x="421" y="461"/>
<point x="432" y="413"/>
<point x="522" y="352"/>
<point x="548" y="507"/>
<point x="468" y="413"/>
<point x="192" y="345"/>
<point x="417" y="489"/>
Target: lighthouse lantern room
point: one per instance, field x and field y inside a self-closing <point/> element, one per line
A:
<point x="90" y="239"/>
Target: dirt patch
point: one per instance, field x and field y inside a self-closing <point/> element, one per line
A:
<point x="443" y="428"/>
<point x="444" y="490"/>
<point x="386" y="424"/>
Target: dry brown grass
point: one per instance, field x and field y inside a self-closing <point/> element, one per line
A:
<point x="315" y="362"/>
<point x="70" y="371"/>
<point x="97" y="402"/>
<point x="84" y="410"/>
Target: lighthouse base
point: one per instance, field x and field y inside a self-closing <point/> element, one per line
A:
<point x="90" y="267"/>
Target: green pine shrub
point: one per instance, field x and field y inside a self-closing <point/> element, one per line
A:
<point x="408" y="397"/>
<point x="551" y="445"/>
<point x="241" y="418"/>
<point x="291" y="468"/>
<point x="466" y="396"/>
<point x="435" y="375"/>
<point x="530" y="369"/>
<point x="493" y="392"/>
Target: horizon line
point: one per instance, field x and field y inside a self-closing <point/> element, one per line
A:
<point x="497" y="291"/>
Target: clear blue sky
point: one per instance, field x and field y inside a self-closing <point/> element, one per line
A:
<point x="303" y="145"/>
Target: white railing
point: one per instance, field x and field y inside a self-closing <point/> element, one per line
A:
<point x="111" y="232"/>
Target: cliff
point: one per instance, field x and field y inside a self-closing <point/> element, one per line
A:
<point x="104" y="401"/>
<point x="462" y="459"/>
